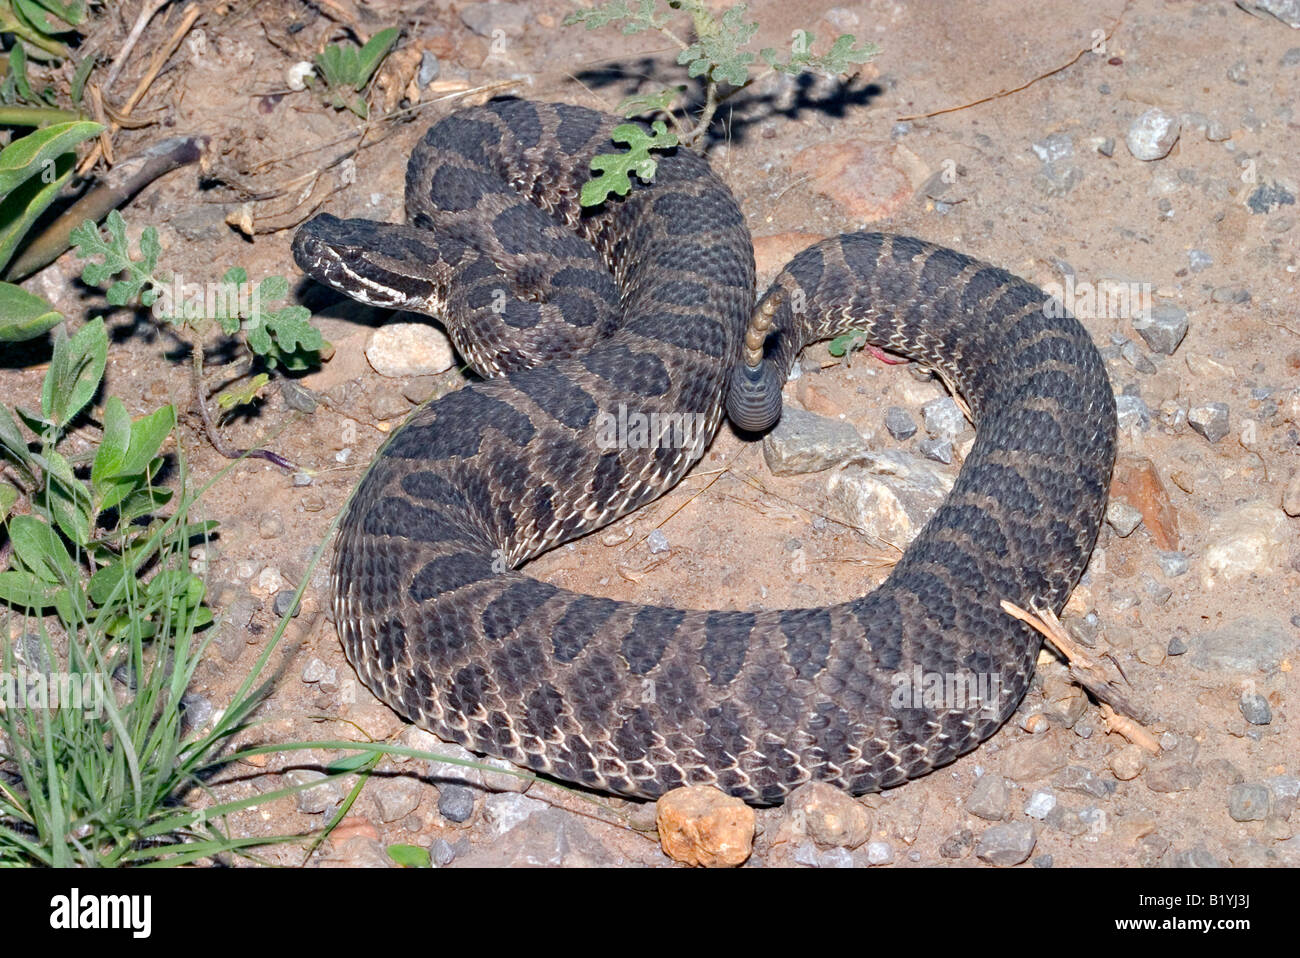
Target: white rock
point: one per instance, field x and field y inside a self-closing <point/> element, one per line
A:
<point x="403" y="350"/>
<point x="889" y="495"/>
<point x="1249" y="539"/>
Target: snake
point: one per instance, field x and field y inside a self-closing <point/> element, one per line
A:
<point x="645" y="304"/>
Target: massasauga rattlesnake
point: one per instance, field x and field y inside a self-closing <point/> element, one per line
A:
<point x="647" y="304"/>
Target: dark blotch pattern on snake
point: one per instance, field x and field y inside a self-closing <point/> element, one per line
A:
<point x="646" y="303"/>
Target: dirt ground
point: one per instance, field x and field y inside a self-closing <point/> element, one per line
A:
<point x="1210" y="228"/>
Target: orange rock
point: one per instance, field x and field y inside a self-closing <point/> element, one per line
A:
<point x="871" y="181"/>
<point x="1137" y="483"/>
<point x="699" y="825"/>
<point x="353" y="827"/>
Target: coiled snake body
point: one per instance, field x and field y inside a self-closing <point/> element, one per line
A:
<point x="648" y="303"/>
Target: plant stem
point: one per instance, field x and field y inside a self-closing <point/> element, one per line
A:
<point x="36" y="115"/>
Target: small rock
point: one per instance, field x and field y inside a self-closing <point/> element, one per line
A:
<point x="284" y="602"/>
<point x="835" y="858"/>
<point x="388" y="404"/>
<point x="505" y="810"/>
<point x="270" y="526"/>
<point x="700" y="825"/>
<point x="451" y="771"/>
<point x="1250" y="539"/>
<point x="429" y="70"/>
<point x="1248" y="803"/>
<point x="358" y="852"/>
<point x="1066" y="820"/>
<point x="1132" y="412"/>
<point x="1248" y="644"/>
<point x="1162" y="328"/>
<point x="317" y="672"/>
<point x="1123" y="518"/>
<point x="1043" y="861"/>
<point x="1153" y="653"/>
<point x="301" y="479"/>
<point x="1236" y="294"/>
<point x="1173" y="777"/>
<point x="485" y="18"/>
<point x="1128" y="762"/>
<point x="318" y="799"/>
<point x="1173" y="564"/>
<point x="871" y="181"/>
<point x="943" y="418"/>
<point x="1006" y="845"/>
<point x="958" y="845"/>
<point x="1040" y="804"/>
<point x="1198" y="260"/>
<point x="988" y="799"/>
<point x="1255" y="708"/>
<point x="1033" y="759"/>
<point x="879" y="853"/>
<point x="806" y="442"/>
<point x="400" y="350"/>
<point x="1198" y="857"/>
<point x="456" y="802"/>
<point x="269" y="581"/>
<point x="1137" y="482"/>
<point x="442" y="852"/>
<point x="1152" y="135"/>
<point x="1269" y="196"/>
<point x="297" y="396"/>
<point x="657" y="542"/>
<point x="395" y="798"/>
<point x="900" y="424"/>
<point x="196" y="710"/>
<point x="940" y="450"/>
<point x="1076" y="778"/>
<point x="1176" y="646"/>
<point x="888" y="495"/>
<point x="828" y="815"/>
<point x="1210" y="420"/>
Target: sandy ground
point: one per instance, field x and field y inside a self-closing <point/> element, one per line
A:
<point x="1041" y="182"/>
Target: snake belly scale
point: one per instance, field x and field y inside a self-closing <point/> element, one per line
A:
<point x="647" y="302"/>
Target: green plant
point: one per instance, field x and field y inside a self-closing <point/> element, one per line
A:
<point x="33" y="169"/>
<point x="716" y="55"/>
<point x="39" y="23"/>
<point x="346" y="70"/>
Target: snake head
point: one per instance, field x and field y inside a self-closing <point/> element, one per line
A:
<point x="381" y="264"/>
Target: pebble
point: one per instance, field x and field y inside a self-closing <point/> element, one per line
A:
<point x="1033" y="759"/>
<point x="270" y="526"/>
<point x="1131" y="412"/>
<point x="505" y="810"/>
<point x="395" y="798"/>
<point x="316" y="800"/>
<point x="1291" y="58"/>
<point x="901" y="425"/>
<point x="456" y="802"/>
<point x="1286" y="792"/>
<point x="1249" y="539"/>
<point x="1058" y="176"/>
<point x="1040" y="804"/>
<point x="1129" y="762"/>
<point x="1137" y="482"/>
<point x="1248" y="803"/>
<point x="269" y="582"/>
<point x="957" y="845"/>
<point x="888" y="495"/>
<point x="1076" y="778"/>
<point x="1176" y="646"/>
<point x="1123" y="518"/>
<point x="442" y="852"/>
<point x="429" y="70"/>
<point x="943" y="418"/>
<point x="400" y="350"/>
<point x="1135" y="358"/>
<point x="657" y="542"/>
<point x="1230" y="294"/>
<point x="195" y="711"/>
<point x="1173" y="777"/>
<point x="1066" y="820"/>
<point x="388" y="404"/>
<point x="316" y="672"/>
<point x="1162" y="328"/>
<point x="804" y="442"/>
<point x="1255" y="708"/>
<point x="284" y="602"/>
<point x="835" y="858"/>
<point x="1152" y="135"/>
<point x="880" y="853"/>
<point x="988" y="799"/>
<point x="1173" y="564"/>
<point x="1199" y="260"/>
<point x="297" y="396"/>
<point x="1210" y="420"/>
<point x="1006" y="845"/>
<point x="1269" y="196"/>
<point x="301" y="479"/>
<point x="1198" y="857"/>
<point x="870" y="181"/>
<point x="828" y="815"/>
<point x="1153" y="654"/>
<point x="1248" y="644"/>
<point x="700" y="825"/>
<point x="550" y="838"/>
<point x="940" y="450"/>
<point x="484" y="18"/>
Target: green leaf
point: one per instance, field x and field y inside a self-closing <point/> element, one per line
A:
<point x="67" y="499"/>
<point x="41" y="551"/>
<point x="372" y="54"/>
<point x="8" y="496"/>
<point x="22" y="591"/>
<point x="717" y="54"/>
<point x="75" y="370"/>
<point x="657" y="102"/>
<point x="80" y="75"/>
<point x="22" y="207"/>
<point x="410" y="856"/>
<point x="115" y="254"/>
<point x="113" y="445"/>
<point x="349" y="763"/>
<point x="26" y="157"/>
<point x="615" y="167"/>
<point x="24" y="316"/>
<point x="242" y="395"/>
